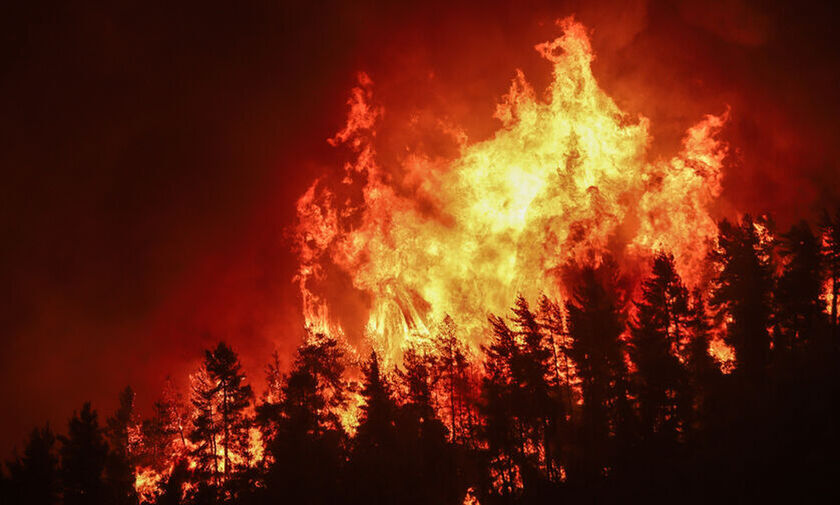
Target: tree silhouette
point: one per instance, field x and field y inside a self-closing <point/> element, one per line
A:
<point x="595" y="327"/>
<point x="268" y="411"/>
<point x="799" y="293"/>
<point x="301" y="425"/>
<point x="500" y="429"/>
<point x="742" y="293"/>
<point x="84" y="453"/>
<point x="422" y="438"/>
<point x="375" y="470"/>
<point x="553" y="321"/>
<point x="569" y="402"/>
<point x="658" y="333"/>
<point x="831" y="253"/>
<point x="539" y="402"/>
<point x="172" y="488"/>
<point x="206" y="427"/>
<point x="119" y="469"/>
<point x="453" y="366"/>
<point x="34" y="477"/>
<point x="221" y="426"/>
<point x="703" y="372"/>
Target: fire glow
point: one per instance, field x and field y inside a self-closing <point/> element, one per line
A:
<point x="492" y="266"/>
<point x="566" y="179"/>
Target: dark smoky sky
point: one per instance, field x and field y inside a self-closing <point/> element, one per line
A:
<point x="152" y="153"/>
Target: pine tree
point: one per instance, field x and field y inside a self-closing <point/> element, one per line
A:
<point x="448" y="351"/>
<point x="831" y="258"/>
<point x="377" y="414"/>
<point x="702" y="370"/>
<point x="417" y="381"/>
<point x="121" y="434"/>
<point x="595" y="327"/>
<point x="658" y="333"/>
<point x="303" y="432"/>
<point x="34" y="477"/>
<point x="234" y="397"/>
<point x="560" y="377"/>
<point x="523" y="410"/>
<point x="742" y="292"/>
<point x="799" y="293"/>
<point x="317" y="384"/>
<point x="552" y="319"/>
<point x="375" y="458"/>
<point x="268" y="411"/>
<point x="455" y="386"/>
<point x="164" y="434"/>
<point x="422" y="437"/>
<point x="206" y="426"/>
<point x="500" y="430"/>
<point x="84" y="453"/>
<point x="221" y="398"/>
<point x="541" y="407"/>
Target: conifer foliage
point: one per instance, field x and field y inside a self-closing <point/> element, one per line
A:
<point x="647" y="391"/>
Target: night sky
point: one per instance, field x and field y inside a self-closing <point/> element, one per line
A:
<point x="152" y="154"/>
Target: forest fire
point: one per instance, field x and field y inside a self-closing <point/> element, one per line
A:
<point x="566" y="179"/>
<point x="559" y="309"/>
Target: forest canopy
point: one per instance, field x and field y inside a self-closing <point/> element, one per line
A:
<point x="597" y="397"/>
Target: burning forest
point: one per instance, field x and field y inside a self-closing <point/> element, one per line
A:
<point x="552" y="309"/>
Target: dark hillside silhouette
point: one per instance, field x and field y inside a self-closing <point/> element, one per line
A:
<point x="597" y="398"/>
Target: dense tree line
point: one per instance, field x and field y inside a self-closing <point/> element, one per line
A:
<point x="610" y="395"/>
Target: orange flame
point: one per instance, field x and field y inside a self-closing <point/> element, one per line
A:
<point x="147" y="483"/>
<point x="148" y="480"/>
<point x="565" y="179"/>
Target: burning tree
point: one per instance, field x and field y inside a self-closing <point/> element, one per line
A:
<point x="454" y="380"/>
<point x="221" y="424"/>
<point x="831" y="247"/>
<point x="742" y="293"/>
<point x="608" y="377"/>
<point x="122" y="430"/>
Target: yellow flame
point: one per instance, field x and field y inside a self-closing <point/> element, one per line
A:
<point x="147" y="483"/>
<point x="566" y="178"/>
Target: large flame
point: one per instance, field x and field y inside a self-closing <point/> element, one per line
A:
<point x="567" y="178"/>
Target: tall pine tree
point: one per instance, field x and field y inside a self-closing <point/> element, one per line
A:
<point x="595" y="327"/>
<point x="831" y="255"/>
<point x="302" y="429"/>
<point x="742" y="293"/>
<point x="453" y="367"/>
<point x="221" y="427"/>
<point x="375" y="458"/>
<point x="122" y="435"/>
<point x="84" y="453"/>
<point x="422" y="437"/>
<point x="659" y="331"/>
<point x="500" y="430"/>
<point x="799" y="301"/>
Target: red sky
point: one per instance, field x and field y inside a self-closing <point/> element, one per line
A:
<point x="152" y="154"/>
